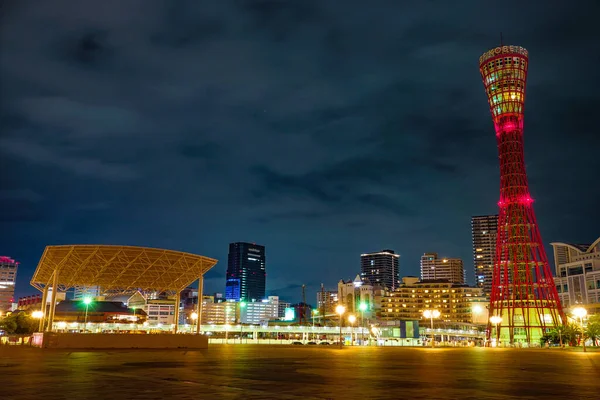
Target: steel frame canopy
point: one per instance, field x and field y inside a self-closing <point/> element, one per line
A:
<point x="119" y="269"/>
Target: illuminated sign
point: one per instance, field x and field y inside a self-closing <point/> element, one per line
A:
<point x="290" y="314"/>
<point x="503" y="50"/>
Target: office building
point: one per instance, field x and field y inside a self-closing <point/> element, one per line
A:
<point x="578" y="275"/>
<point x="246" y="274"/>
<point x="8" y="278"/>
<point x="484" y="230"/>
<point x="381" y="268"/>
<point x="456" y="303"/>
<point x="435" y="268"/>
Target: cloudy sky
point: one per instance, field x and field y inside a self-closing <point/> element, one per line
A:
<point x="319" y="128"/>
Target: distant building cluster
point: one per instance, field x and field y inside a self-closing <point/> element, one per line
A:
<point x="377" y="294"/>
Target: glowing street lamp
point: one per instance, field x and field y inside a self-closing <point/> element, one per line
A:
<point x="362" y="307"/>
<point x="495" y="319"/>
<point x="431" y="314"/>
<point x="352" y="320"/>
<point x="580" y="313"/>
<point x="87" y="301"/>
<point x="340" y="310"/>
<point x="37" y="314"/>
<point x="314" y="312"/>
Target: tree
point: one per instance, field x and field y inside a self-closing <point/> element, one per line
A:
<point x="19" y="323"/>
<point x="562" y="334"/>
<point x="593" y="329"/>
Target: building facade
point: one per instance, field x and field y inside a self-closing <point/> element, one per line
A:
<point x="260" y="312"/>
<point x="351" y="294"/>
<point x="484" y="230"/>
<point x="8" y="279"/>
<point x="381" y="268"/>
<point x="226" y="312"/>
<point x="88" y="291"/>
<point x="455" y="302"/>
<point x="578" y="275"/>
<point x="246" y="272"/>
<point x="435" y="268"/>
<point x="326" y="301"/>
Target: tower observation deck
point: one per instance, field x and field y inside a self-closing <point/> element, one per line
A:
<point x="523" y="291"/>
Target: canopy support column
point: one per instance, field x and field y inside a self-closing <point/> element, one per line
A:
<point x="177" y="301"/>
<point x="199" y="306"/>
<point x="44" y="309"/>
<point x="53" y="302"/>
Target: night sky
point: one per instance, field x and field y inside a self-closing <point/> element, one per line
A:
<point x="321" y="129"/>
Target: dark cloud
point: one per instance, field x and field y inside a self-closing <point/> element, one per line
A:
<point x="320" y="129"/>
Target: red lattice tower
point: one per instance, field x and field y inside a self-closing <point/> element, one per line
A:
<point x="523" y="291"/>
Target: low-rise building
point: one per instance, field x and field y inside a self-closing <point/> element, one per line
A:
<point x="351" y="294"/>
<point x="578" y="275"/>
<point x="454" y="302"/>
<point x="226" y="312"/>
<point x="260" y="312"/>
<point x="8" y="279"/>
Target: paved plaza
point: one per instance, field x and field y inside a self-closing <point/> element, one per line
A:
<point x="299" y="372"/>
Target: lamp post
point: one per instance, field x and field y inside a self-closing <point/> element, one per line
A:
<point x="194" y="317"/>
<point x="314" y="312"/>
<point x="431" y="314"/>
<point x="242" y="306"/>
<point x="362" y="307"/>
<point x="580" y="313"/>
<point x="352" y="320"/>
<point x="340" y="310"/>
<point x="87" y="301"/>
<point x="495" y="319"/>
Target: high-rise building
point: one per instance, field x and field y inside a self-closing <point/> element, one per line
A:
<point x="381" y="268"/>
<point x="484" y="229"/>
<point x="246" y="274"/>
<point x="524" y="299"/>
<point x="8" y="278"/>
<point x="448" y="269"/>
<point x="578" y="275"/>
<point x="326" y="301"/>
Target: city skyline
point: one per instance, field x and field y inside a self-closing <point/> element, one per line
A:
<point x="321" y="147"/>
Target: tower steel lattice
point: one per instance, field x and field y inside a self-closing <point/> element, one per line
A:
<point x="523" y="293"/>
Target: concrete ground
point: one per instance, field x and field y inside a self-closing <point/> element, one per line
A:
<point x="299" y="372"/>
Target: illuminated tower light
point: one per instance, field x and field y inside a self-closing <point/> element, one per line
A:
<point x="523" y="290"/>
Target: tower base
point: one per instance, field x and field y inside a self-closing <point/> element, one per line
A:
<point x="523" y="325"/>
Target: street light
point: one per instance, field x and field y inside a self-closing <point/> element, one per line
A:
<point x="87" y="301"/>
<point x="340" y="310"/>
<point x="194" y="317"/>
<point x="580" y="313"/>
<point x="314" y="312"/>
<point x="431" y="314"/>
<point x="37" y="314"/>
<point x="242" y="305"/>
<point x="495" y="319"/>
<point x="362" y="307"/>
<point x="352" y="320"/>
